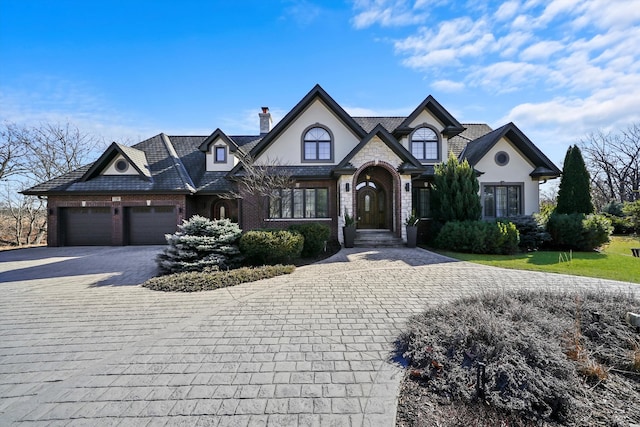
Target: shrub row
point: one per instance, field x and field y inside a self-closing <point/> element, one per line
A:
<point x="213" y="278"/>
<point x="270" y="246"/>
<point x="499" y="237"/>
<point x="315" y="236"/>
<point x="578" y="231"/>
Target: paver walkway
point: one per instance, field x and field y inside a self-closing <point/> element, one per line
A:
<point x="78" y="347"/>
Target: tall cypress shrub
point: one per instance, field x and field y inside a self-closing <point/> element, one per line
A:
<point x="456" y="191"/>
<point x="574" y="193"/>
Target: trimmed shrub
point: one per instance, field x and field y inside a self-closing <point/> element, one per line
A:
<point x="270" y="246"/>
<point x="315" y="236"/>
<point x="532" y="233"/>
<point x="632" y="212"/>
<point x="213" y="278"/>
<point x="578" y="231"/>
<point x="201" y="243"/>
<point x="478" y="237"/>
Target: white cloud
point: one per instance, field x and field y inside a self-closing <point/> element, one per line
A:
<point x="388" y="13"/>
<point x="568" y="66"/>
<point x="507" y="10"/>
<point x="541" y="50"/>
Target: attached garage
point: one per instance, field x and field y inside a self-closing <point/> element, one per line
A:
<point x="147" y="225"/>
<point x="86" y="226"/>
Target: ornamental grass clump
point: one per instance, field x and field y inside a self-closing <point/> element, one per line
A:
<point x="201" y="243"/>
<point x="212" y="278"/>
<point x="545" y="355"/>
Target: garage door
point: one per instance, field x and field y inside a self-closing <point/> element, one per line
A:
<point x="86" y="226"/>
<point x="147" y="225"/>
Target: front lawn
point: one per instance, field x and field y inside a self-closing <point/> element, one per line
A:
<point x="613" y="262"/>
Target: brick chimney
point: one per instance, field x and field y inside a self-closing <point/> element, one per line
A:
<point x="265" y="121"/>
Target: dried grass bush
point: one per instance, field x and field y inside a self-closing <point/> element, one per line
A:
<point x="544" y="351"/>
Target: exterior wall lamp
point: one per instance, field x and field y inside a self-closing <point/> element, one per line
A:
<point x="407" y="187"/>
<point x="347" y="187"/>
<point x="115" y="211"/>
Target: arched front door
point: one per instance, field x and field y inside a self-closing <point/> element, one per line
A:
<point x="370" y="207"/>
<point x="221" y="209"/>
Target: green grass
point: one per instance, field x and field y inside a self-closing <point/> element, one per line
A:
<point x="613" y="262"/>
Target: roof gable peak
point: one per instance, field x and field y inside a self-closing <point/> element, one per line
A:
<point x="136" y="158"/>
<point x="452" y="126"/>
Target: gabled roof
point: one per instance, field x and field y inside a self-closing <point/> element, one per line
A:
<point x="410" y="163"/>
<point x="218" y="134"/>
<point x="135" y="157"/>
<point x="166" y="171"/>
<point x="451" y="126"/>
<point x="478" y="148"/>
<point x="316" y="93"/>
<point x="389" y="123"/>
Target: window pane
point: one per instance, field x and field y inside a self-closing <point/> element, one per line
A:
<point x="220" y="154"/>
<point x="286" y="203"/>
<point x="514" y="200"/>
<point x="431" y="150"/>
<point x="322" y="203"/>
<point x="310" y="203"/>
<point x="298" y="203"/>
<point x="324" y="150"/>
<point x="424" y="134"/>
<point x="421" y="198"/>
<point x="367" y="203"/>
<point x="274" y="205"/>
<point x="417" y="149"/>
<point x="310" y="150"/>
<point x="501" y="202"/>
<point x="489" y="202"/>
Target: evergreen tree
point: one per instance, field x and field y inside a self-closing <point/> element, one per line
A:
<point x="201" y="243"/>
<point x="574" y="193"/>
<point x="456" y="191"/>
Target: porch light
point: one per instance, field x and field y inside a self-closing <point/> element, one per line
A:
<point x="407" y="187"/>
<point x="347" y="187"/>
<point x="115" y="211"/>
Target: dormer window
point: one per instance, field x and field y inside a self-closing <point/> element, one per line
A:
<point x="317" y="145"/>
<point x="425" y="144"/>
<point x="220" y="154"/>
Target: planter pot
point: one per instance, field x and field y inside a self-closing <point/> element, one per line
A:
<point x="349" y="234"/>
<point x="412" y="236"/>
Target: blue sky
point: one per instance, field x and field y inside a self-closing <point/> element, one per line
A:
<point x="127" y="70"/>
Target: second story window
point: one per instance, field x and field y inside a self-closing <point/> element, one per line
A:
<point x="220" y="154"/>
<point x="425" y="144"/>
<point x="316" y="145"/>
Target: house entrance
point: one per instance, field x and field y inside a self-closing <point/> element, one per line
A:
<point x="370" y="205"/>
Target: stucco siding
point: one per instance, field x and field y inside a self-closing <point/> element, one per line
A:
<point x="515" y="172"/>
<point x="212" y="165"/>
<point x="287" y="148"/>
<point x="111" y="168"/>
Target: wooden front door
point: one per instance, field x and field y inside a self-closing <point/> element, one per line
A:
<point x="368" y="208"/>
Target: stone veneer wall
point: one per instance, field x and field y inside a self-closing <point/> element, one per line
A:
<point x="377" y="153"/>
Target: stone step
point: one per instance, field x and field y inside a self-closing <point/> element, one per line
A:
<point x="376" y="239"/>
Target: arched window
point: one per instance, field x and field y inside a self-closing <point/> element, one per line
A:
<point x="317" y="145"/>
<point x="425" y="144"/>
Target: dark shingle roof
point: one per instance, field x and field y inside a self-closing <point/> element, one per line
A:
<point x="472" y="131"/>
<point x="369" y="123"/>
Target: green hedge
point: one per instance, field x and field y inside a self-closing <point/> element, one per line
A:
<point x="262" y="247"/>
<point x="315" y="236"/>
<point x="479" y="237"/>
<point x="214" y="279"/>
<point x="532" y="232"/>
<point x="578" y="231"/>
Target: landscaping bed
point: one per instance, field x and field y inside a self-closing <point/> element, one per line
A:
<point x="195" y="281"/>
<point x="550" y="358"/>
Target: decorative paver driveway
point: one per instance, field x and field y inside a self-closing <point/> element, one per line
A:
<point x="78" y="347"/>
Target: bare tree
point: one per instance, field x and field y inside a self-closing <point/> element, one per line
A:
<point x="33" y="154"/>
<point x="613" y="160"/>
<point x="12" y="150"/>
<point x="259" y="184"/>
